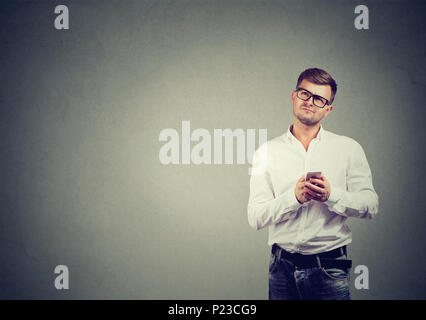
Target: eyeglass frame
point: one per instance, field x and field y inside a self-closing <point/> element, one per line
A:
<point x="312" y="95"/>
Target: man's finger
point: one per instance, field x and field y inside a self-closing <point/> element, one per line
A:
<point x="318" y="181"/>
<point x="314" y="188"/>
<point x="313" y="193"/>
<point x="307" y="196"/>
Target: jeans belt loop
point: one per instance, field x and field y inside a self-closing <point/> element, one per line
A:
<point x="318" y="261"/>
<point x="279" y="253"/>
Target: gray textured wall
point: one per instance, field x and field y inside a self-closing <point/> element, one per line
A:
<point x="81" y="113"/>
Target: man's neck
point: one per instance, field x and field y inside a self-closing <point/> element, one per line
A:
<point x="304" y="133"/>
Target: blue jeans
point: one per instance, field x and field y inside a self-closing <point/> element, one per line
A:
<point x="288" y="282"/>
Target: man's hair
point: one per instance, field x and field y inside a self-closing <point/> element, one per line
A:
<point x="320" y="77"/>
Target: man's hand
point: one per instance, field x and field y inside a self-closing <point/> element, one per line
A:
<point x="299" y="191"/>
<point x="317" y="189"/>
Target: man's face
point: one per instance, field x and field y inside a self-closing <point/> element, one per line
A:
<point x="306" y="111"/>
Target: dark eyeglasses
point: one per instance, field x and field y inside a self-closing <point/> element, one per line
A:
<point x="305" y="95"/>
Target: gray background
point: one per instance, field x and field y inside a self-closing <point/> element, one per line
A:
<point x="81" y="113"/>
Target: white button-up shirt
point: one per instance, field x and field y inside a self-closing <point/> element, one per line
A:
<point x="315" y="226"/>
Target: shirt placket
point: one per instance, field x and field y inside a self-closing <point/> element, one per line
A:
<point x="305" y="207"/>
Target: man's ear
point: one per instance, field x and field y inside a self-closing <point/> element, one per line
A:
<point x="328" y="110"/>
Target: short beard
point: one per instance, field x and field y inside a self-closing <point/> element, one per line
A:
<point x="307" y="121"/>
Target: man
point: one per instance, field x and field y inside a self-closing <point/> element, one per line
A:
<point x="306" y="217"/>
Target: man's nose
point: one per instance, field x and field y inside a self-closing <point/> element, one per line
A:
<point x="309" y="101"/>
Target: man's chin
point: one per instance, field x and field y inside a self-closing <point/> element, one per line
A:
<point x="307" y="121"/>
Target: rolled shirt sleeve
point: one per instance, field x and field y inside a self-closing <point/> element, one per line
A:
<point x="359" y="200"/>
<point x="264" y="207"/>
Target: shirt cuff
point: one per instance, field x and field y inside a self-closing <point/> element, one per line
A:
<point x="335" y="195"/>
<point x="291" y="201"/>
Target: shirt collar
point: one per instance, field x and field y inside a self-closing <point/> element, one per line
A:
<point x="289" y="136"/>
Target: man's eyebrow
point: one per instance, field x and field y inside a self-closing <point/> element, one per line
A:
<point x="317" y="95"/>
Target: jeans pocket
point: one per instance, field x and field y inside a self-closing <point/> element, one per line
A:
<point x="335" y="273"/>
<point x="272" y="263"/>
